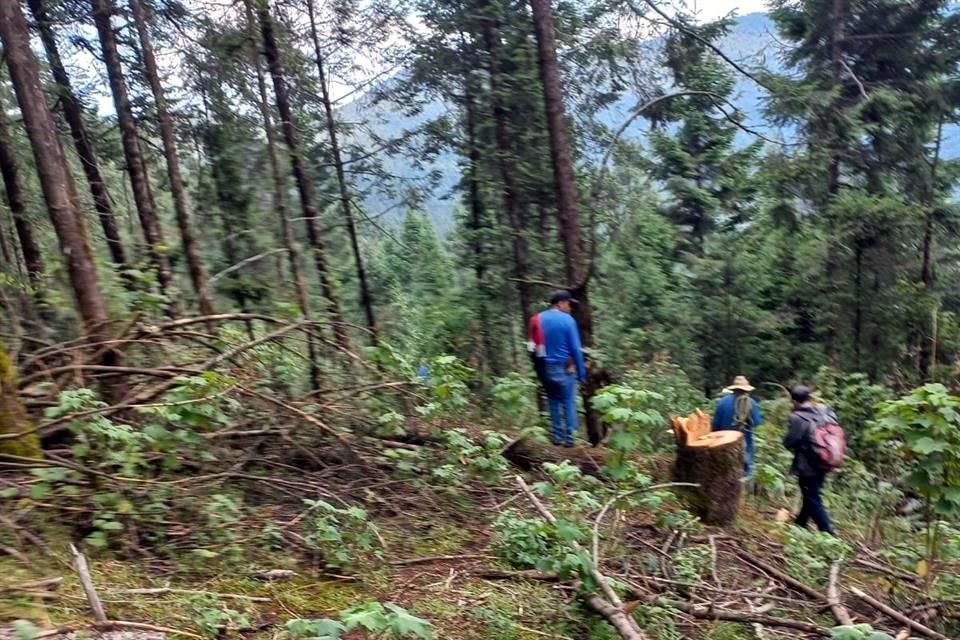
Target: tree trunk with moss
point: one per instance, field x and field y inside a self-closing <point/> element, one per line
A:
<point x="13" y="417"/>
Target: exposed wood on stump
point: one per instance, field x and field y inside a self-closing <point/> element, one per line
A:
<point x="713" y="460"/>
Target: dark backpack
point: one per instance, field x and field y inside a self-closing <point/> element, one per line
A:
<point x="828" y="440"/>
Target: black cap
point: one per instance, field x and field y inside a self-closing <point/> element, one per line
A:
<point x="562" y="295"/>
<point x="800" y="394"/>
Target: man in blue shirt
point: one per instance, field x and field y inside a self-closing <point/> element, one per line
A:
<point x="737" y="411"/>
<point x="563" y="364"/>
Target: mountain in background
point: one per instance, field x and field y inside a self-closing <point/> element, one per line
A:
<point x="752" y="42"/>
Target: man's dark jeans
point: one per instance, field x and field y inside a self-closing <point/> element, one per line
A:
<point x="810" y="488"/>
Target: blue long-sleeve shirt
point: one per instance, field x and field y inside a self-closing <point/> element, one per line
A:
<point x="561" y="340"/>
<point x="723" y="415"/>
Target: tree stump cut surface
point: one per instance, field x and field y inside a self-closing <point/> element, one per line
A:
<point x="713" y="460"/>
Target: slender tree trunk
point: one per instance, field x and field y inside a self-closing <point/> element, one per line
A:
<point x="8" y="258"/>
<point x="195" y="267"/>
<point x="930" y="201"/>
<point x="838" y="16"/>
<point x="366" y="300"/>
<point x="507" y="171"/>
<point x="29" y="249"/>
<point x="858" y="305"/>
<point x="304" y="185"/>
<point x="568" y="217"/>
<point x="833" y="269"/>
<point x="477" y="217"/>
<point x="55" y="180"/>
<point x="73" y="114"/>
<point x="136" y="166"/>
<point x="279" y="195"/>
<point x="925" y="356"/>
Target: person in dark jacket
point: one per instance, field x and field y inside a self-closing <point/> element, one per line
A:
<point x="806" y="417"/>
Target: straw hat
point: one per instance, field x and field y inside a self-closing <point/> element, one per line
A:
<point x="740" y="383"/>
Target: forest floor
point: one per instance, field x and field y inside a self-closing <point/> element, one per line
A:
<point x="437" y="562"/>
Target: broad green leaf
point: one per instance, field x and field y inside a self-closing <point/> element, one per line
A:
<point x="370" y="616"/>
<point x="926" y="446"/>
<point x="403" y="623"/>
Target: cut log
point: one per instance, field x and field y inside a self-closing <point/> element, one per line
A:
<point x="526" y="453"/>
<point x="714" y="461"/>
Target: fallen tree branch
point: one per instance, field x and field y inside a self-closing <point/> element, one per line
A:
<point x="613" y="609"/>
<point x="623" y="496"/>
<point x="781" y="576"/>
<point x="896" y="615"/>
<point x="619" y="619"/>
<point x="157" y="591"/>
<point x="708" y="612"/>
<point x="113" y="625"/>
<point x="431" y="559"/>
<point x="86" y="582"/>
<point x="833" y="597"/>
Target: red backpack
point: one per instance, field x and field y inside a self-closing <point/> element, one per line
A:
<point x="828" y="440"/>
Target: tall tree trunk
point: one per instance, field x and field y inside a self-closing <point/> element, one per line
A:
<point x="279" y="195"/>
<point x="304" y="185"/>
<point x="858" y="304"/>
<point x="507" y="171"/>
<point x="55" y="180"/>
<point x="73" y="114"/>
<point x="136" y="166"/>
<point x="197" y="276"/>
<point x="366" y="300"/>
<point x="477" y="224"/>
<point x="568" y="217"/>
<point x="833" y="269"/>
<point x="925" y="355"/>
<point x="29" y="249"/>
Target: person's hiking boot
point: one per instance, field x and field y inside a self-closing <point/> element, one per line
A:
<point x="569" y="445"/>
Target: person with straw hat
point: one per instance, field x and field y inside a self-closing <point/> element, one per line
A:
<point x="737" y="411"/>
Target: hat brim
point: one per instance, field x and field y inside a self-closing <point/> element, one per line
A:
<point x="740" y="387"/>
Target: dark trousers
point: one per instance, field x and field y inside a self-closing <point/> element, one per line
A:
<point x="810" y="488"/>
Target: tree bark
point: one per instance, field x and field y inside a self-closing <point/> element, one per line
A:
<point x="507" y="171"/>
<point x="102" y="10"/>
<point x="478" y="215"/>
<point x="73" y="114"/>
<point x="366" y="299"/>
<point x="195" y="267"/>
<point x="30" y="250"/>
<point x="279" y="196"/>
<point x="13" y="415"/>
<point x="55" y="180"/>
<point x="568" y="217"/>
<point x="301" y="176"/>
<point x="713" y="460"/>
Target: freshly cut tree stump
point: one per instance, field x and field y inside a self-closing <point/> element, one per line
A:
<point x="713" y="460"/>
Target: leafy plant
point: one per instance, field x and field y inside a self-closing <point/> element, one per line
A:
<point x="479" y="458"/>
<point x="375" y="619"/>
<point x="809" y="554"/>
<point x="343" y="534"/>
<point x="213" y="618"/>
<point x="925" y="427"/>
<point x="634" y="417"/>
<point x="857" y="632"/>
